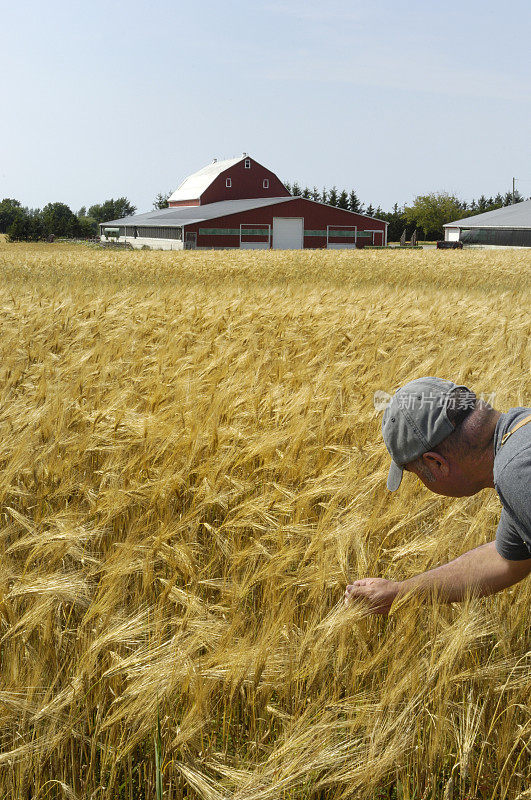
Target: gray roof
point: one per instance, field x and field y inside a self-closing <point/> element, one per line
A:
<point x="515" y="216"/>
<point x="188" y="215"/>
<point x="348" y="211"/>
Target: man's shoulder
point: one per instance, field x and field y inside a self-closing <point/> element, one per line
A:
<point x="512" y="467"/>
<point x="516" y="444"/>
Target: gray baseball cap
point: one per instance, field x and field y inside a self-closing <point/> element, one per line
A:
<point x="415" y="421"/>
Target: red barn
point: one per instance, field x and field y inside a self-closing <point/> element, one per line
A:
<point x="235" y="179"/>
<point x="238" y="203"/>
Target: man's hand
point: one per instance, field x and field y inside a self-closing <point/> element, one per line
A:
<point x="477" y="573"/>
<point x="377" y="593"/>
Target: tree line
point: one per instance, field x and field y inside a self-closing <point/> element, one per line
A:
<point x="58" y="220"/>
<point x="426" y="215"/>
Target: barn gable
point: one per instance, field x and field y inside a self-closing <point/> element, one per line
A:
<point x="233" y="179"/>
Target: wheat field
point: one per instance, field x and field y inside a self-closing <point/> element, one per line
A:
<point x="191" y="472"/>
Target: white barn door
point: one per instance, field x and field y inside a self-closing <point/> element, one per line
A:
<point x="288" y="233"/>
<point x="451" y="234"/>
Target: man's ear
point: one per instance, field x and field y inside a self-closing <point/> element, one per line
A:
<point x="436" y="463"/>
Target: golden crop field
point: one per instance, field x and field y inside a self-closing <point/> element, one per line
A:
<point x="191" y="472"/>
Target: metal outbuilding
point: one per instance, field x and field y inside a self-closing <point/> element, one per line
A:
<point x="229" y="205"/>
<point x="509" y="226"/>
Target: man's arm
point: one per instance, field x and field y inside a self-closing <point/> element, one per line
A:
<point x="478" y="572"/>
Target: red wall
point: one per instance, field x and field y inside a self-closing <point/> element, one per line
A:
<point x="245" y="183"/>
<point x="316" y="217"/>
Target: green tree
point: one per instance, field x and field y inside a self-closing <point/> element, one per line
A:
<point x="27" y="226"/>
<point x="9" y="209"/>
<point x="112" y="209"/>
<point x="161" y="200"/>
<point x="306" y="193"/>
<point x="315" y="195"/>
<point x="397" y="223"/>
<point x="87" y="227"/>
<point x="333" y="196"/>
<point x="59" y="220"/>
<point x="342" y="200"/>
<point x="431" y="211"/>
<point x="370" y="210"/>
<point x="508" y="199"/>
<point x="354" y="203"/>
<point x="482" y="204"/>
<point x="295" y="189"/>
<point x="324" y="195"/>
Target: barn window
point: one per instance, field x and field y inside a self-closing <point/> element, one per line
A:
<point x="265" y="184"/>
<point x="247" y="163"/>
<point x="160" y="232"/>
<point x="228" y="183"/>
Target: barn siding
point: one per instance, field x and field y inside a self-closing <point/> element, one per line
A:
<point x="316" y="218"/>
<point x="245" y="183"/>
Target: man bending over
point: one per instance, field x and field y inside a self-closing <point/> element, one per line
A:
<point x="458" y="445"/>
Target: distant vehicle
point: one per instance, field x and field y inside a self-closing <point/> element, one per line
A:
<point x="443" y="245"/>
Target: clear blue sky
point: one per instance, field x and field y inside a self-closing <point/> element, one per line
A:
<point x="392" y="98"/>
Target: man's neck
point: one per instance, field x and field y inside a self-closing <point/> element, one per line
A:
<point x="483" y="461"/>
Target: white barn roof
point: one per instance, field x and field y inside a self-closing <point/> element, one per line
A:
<point x="194" y="185"/>
<point x="514" y="216"/>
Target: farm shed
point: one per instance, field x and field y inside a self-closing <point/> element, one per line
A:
<point x="509" y="226"/>
<point x="229" y="205"/>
